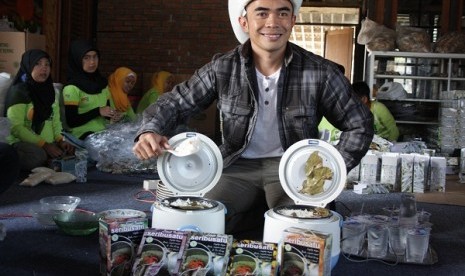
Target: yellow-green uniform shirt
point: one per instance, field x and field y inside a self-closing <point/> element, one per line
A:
<point x="384" y="123"/>
<point x="149" y="97"/>
<point x="21" y="125"/>
<point x="128" y="115"/>
<point x="72" y="95"/>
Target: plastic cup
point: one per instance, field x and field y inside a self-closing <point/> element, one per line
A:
<point x="423" y="216"/>
<point x="353" y="237"/>
<point x="397" y="239"/>
<point x="417" y="244"/>
<point x="408" y="210"/>
<point x="377" y="240"/>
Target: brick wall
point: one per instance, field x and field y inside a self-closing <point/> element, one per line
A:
<point x="174" y="35"/>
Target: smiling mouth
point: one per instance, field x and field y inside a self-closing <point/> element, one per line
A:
<point x="272" y="36"/>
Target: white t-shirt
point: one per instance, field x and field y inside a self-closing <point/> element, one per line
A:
<point x="265" y="140"/>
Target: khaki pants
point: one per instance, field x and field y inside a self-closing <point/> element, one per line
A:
<point x="241" y="189"/>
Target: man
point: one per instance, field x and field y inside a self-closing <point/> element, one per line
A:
<point x="270" y="94"/>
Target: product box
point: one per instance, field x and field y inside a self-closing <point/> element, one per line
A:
<point x="120" y="233"/>
<point x="160" y="252"/>
<point x="304" y="252"/>
<point x="437" y="178"/>
<point x="207" y="254"/>
<point x="249" y="257"/>
<point x="64" y="164"/>
<point x="12" y="47"/>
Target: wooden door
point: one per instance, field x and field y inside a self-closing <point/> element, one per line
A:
<point x="339" y="47"/>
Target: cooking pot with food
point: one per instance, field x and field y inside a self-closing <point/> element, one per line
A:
<point x="312" y="173"/>
<point x="189" y="178"/>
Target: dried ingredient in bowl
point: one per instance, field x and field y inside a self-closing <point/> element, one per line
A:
<point x="316" y="175"/>
<point x="190" y="204"/>
<point x="316" y="212"/>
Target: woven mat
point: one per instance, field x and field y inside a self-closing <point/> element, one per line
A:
<point x="454" y="194"/>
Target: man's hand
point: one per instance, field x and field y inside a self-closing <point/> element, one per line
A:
<point x="150" y="145"/>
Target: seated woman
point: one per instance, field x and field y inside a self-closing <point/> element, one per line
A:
<point x="87" y="106"/>
<point x="120" y="83"/>
<point x="161" y="82"/>
<point x="384" y="123"/>
<point x="34" y="113"/>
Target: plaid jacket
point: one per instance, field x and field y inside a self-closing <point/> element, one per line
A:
<point x="309" y="87"/>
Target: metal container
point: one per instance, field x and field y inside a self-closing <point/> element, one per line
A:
<point x="189" y="178"/>
<point x="292" y="174"/>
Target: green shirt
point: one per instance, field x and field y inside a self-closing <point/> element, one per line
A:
<point x="384" y="123"/>
<point x="149" y="97"/>
<point x="72" y="95"/>
<point x="21" y="123"/>
<point x="128" y="115"/>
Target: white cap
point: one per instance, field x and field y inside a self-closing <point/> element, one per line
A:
<point x="236" y="9"/>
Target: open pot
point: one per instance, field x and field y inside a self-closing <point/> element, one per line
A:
<point x="189" y="203"/>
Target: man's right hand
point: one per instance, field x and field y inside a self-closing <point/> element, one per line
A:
<point x="150" y="145"/>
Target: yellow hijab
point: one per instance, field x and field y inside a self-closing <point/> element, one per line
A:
<point x="116" y="84"/>
<point x="158" y="81"/>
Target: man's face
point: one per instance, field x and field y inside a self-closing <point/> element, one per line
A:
<point x="269" y="23"/>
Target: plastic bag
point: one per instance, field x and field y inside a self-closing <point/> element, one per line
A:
<point x="60" y="178"/>
<point x="112" y="149"/>
<point x="377" y="37"/>
<point x="411" y="39"/>
<point x="391" y="91"/>
<point x="5" y="82"/>
<point x="35" y="178"/>
<point x="369" y="29"/>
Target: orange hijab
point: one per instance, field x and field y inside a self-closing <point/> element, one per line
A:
<point x="116" y="84"/>
<point x="158" y="81"/>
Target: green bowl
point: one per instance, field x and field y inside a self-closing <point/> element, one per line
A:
<point x="77" y="222"/>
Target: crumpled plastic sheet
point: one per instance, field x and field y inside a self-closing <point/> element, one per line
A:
<point x="112" y="150"/>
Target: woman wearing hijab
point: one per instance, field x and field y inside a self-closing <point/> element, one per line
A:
<point x="87" y="107"/>
<point x="34" y="113"/>
<point x="120" y="83"/>
<point x="161" y="82"/>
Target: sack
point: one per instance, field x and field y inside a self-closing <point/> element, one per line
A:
<point x="453" y="42"/>
<point x="411" y="39"/>
<point x="391" y="91"/>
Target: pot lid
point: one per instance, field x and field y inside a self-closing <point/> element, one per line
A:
<point x="194" y="174"/>
<point x="326" y="167"/>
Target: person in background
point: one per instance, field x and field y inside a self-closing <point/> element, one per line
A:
<point x="34" y="114"/>
<point x="162" y="82"/>
<point x="120" y="83"/>
<point x="9" y="166"/>
<point x="270" y="94"/>
<point x="384" y="123"/>
<point x="87" y="106"/>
